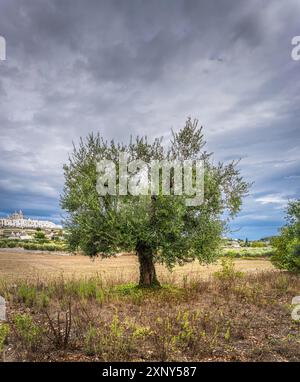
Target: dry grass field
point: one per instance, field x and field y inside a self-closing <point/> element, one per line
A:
<point x="69" y="308"/>
<point x="18" y="264"/>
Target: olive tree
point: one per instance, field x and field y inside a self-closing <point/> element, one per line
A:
<point x="159" y="228"/>
<point x="287" y="243"/>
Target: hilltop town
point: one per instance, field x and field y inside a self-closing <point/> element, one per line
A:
<point x="17" y="226"/>
<point x="18" y="220"/>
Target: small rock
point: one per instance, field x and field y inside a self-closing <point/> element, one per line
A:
<point x="2" y="309"/>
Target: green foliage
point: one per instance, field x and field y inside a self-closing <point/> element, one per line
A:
<point x="287" y="244"/>
<point x="84" y="289"/>
<point x="258" y="244"/>
<point x="4" y="332"/>
<point x="31" y="296"/>
<point x="116" y="327"/>
<point x="39" y="235"/>
<point x="191" y="322"/>
<point x="40" y="245"/>
<point x="141" y="332"/>
<point x="228" y="331"/>
<point x="3" y="244"/>
<point x="28" y="332"/>
<point x="43" y="299"/>
<point x="228" y="272"/>
<point x="248" y="252"/>
<point x="116" y="339"/>
<point x="27" y="294"/>
<point x="88" y="289"/>
<point x="45" y="246"/>
<point x="126" y="289"/>
<point x="9" y="243"/>
<point x="161" y="228"/>
<point x="90" y="345"/>
<point x="186" y="331"/>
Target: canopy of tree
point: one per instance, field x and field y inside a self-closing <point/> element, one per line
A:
<point x="160" y="228"/>
<point x="287" y="244"/>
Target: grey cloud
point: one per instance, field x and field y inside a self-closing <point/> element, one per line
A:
<point x="141" y="67"/>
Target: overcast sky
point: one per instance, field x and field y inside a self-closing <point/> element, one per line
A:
<point x="141" y="67"/>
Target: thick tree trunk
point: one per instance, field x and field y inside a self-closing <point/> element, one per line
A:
<point x="147" y="269"/>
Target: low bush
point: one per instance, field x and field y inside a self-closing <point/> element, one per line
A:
<point x="4" y="332"/>
<point x="287" y="254"/>
<point x="27" y="294"/>
<point x="228" y="272"/>
<point x="91" y="340"/>
<point x="34" y="245"/>
<point x="258" y="244"/>
<point x="27" y="331"/>
<point x="248" y="252"/>
<point x="287" y="244"/>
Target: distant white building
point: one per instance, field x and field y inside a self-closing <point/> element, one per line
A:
<point x="19" y="236"/>
<point x="235" y="244"/>
<point x="17" y="220"/>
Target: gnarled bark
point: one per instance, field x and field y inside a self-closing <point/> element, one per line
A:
<point x="147" y="269"/>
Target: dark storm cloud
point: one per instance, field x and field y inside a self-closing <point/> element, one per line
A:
<point x="141" y="67"/>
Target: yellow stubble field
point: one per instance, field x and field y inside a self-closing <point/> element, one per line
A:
<point x="19" y="264"/>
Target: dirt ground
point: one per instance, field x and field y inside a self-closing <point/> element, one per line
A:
<point x="225" y="318"/>
<point x="23" y="264"/>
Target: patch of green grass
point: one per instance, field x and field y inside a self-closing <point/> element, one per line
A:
<point x="28" y="332"/>
<point x="27" y="294"/>
<point x="248" y="252"/>
<point x="34" y="245"/>
<point x="4" y="332"/>
<point x="126" y="289"/>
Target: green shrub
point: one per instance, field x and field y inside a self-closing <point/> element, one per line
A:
<point x="287" y="251"/>
<point x="186" y="332"/>
<point x="90" y="345"/>
<point x="30" y="246"/>
<point x="232" y="253"/>
<point x="3" y="244"/>
<point x="42" y="299"/>
<point x="126" y="289"/>
<point x="34" y="245"/>
<point x="39" y="235"/>
<point x="50" y="247"/>
<point x="248" y="252"/>
<point x="228" y="272"/>
<point x="44" y="246"/>
<point x="27" y="294"/>
<point x="12" y="244"/>
<point x="4" y="332"/>
<point x="28" y="332"/>
<point x="287" y="244"/>
<point x="131" y="291"/>
<point x="141" y="332"/>
<point x="116" y="327"/>
<point x="85" y="289"/>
